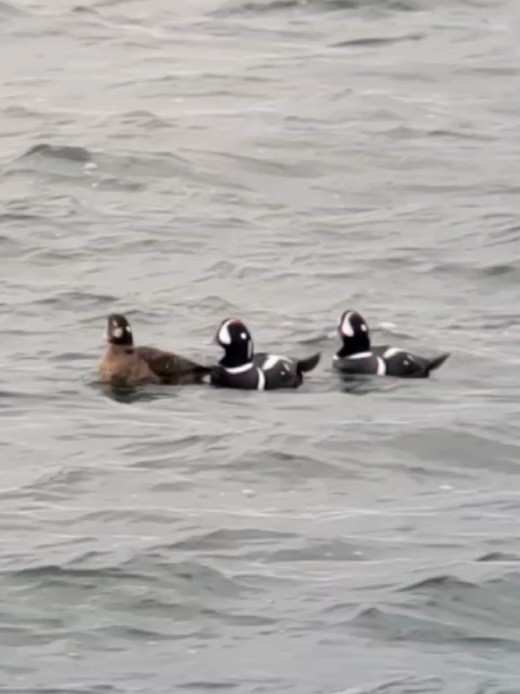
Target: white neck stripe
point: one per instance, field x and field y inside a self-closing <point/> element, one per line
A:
<point x="239" y="369"/>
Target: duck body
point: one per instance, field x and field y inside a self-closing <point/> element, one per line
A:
<point x="126" y="365"/>
<point x="388" y="361"/>
<point x="122" y="366"/>
<point x="242" y="369"/>
<point x="358" y="357"/>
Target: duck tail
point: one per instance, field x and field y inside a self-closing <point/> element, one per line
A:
<point x="438" y="361"/>
<point x="202" y="370"/>
<point x="308" y="364"/>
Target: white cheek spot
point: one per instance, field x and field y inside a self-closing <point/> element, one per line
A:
<point x="128" y="329"/>
<point x="117" y="332"/>
<point x="223" y="335"/>
<point x="243" y="336"/>
<point x="346" y="326"/>
<point x="364" y="328"/>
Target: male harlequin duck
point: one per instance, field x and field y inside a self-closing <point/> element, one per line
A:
<point x="241" y="368"/>
<point x="126" y="365"/>
<point x="357" y="357"/>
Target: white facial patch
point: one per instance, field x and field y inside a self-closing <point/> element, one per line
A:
<point x="117" y="332"/>
<point x="223" y="334"/>
<point x="346" y="326"/>
<point x="364" y="328"/>
<point x="243" y="336"/>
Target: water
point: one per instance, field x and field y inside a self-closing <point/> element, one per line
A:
<point x="278" y="161"/>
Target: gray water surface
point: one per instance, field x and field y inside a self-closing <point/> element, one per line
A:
<point x="279" y="161"/>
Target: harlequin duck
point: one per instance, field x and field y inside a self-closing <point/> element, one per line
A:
<point x="357" y="356"/>
<point x="241" y="368"/>
<point x="126" y="365"/>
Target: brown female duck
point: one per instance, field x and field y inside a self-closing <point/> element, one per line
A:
<point x="126" y="365"/>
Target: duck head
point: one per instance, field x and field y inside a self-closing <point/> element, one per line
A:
<point x="353" y="330"/>
<point x="119" y="331"/>
<point x="236" y="341"/>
